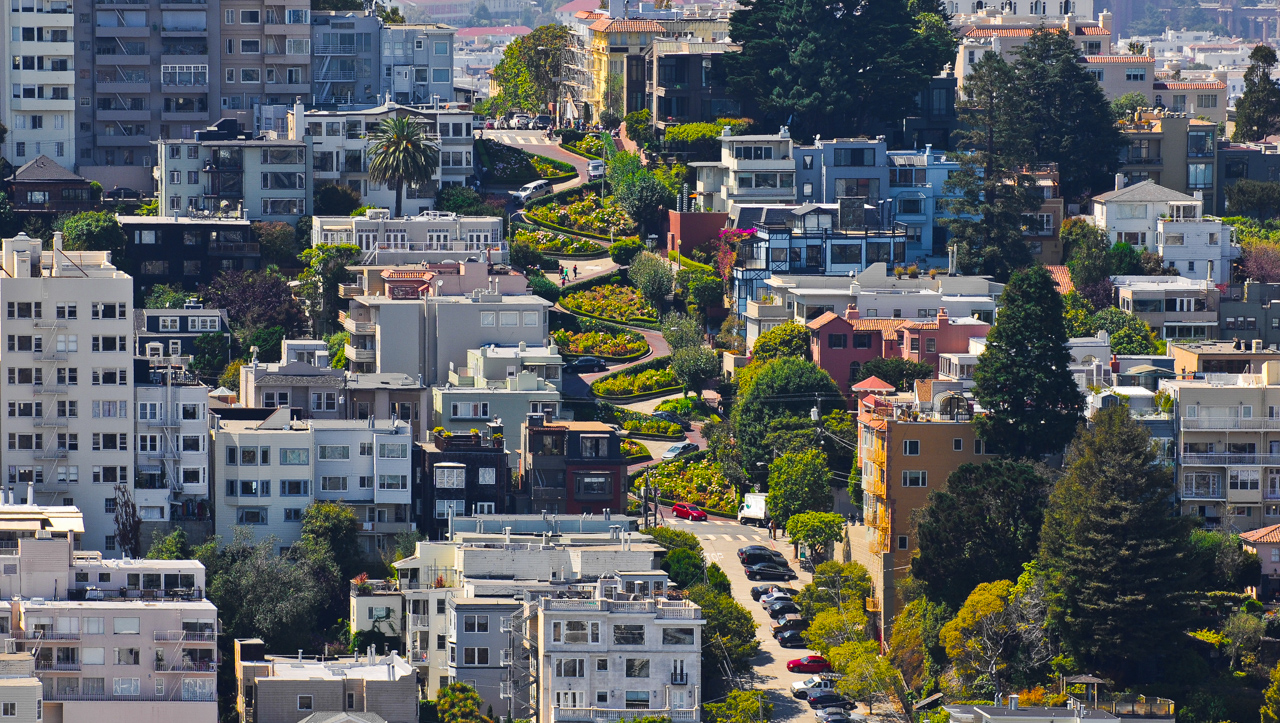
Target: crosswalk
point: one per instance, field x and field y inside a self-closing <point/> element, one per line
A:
<point x="731" y="538"/>
<point x="521" y="139"/>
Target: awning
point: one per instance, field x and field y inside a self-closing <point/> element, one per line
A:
<point x="71" y="523"/>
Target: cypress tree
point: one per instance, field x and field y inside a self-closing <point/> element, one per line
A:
<point x="1022" y="379"/>
<point x="1258" y="110"/>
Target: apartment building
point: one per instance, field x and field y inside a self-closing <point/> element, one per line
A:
<point x="1170" y="224"/>
<point x="429" y="337"/>
<point x="1221" y="357"/>
<point x="1248" y="312"/>
<point x="21" y="692"/>
<point x="70" y="379"/>
<point x="227" y="171"/>
<point x="908" y="444"/>
<point x="426" y="279"/>
<point x="289" y="688"/>
<point x="993" y="32"/>
<point x="365" y="464"/>
<point x="345" y="58"/>
<point x="830" y="169"/>
<point x="341" y="145"/>
<point x="266" y="55"/>
<point x="918" y="187"/>
<point x="752" y="169"/>
<point x="682" y="83"/>
<point x="417" y="63"/>
<point x="1176" y="150"/>
<point x="171" y="451"/>
<point x="186" y="251"/>
<point x="431" y="237"/>
<point x="462" y="474"/>
<point x="1122" y="74"/>
<point x="1174" y="307"/>
<point x="111" y="639"/>
<point x="570" y="468"/>
<point x="1199" y="98"/>
<point x="41" y="113"/>
<point x="1229" y="447"/>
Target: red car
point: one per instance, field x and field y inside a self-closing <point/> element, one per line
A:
<point x="688" y="511"/>
<point x="809" y="664"/>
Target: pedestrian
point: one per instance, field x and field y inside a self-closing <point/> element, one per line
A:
<point x="575" y="271"/>
<point x="773" y="531"/>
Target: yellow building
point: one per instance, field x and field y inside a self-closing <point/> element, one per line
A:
<point x="616" y="48"/>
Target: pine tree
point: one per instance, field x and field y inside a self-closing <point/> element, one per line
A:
<point x="1271" y="698"/>
<point x="1258" y="110"/>
<point x="1117" y="562"/>
<point x="1022" y="378"/>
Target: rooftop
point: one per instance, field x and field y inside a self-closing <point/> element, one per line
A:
<point x="1144" y="192"/>
<point x="1223" y="347"/>
<point x="1262" y="534"/>
<point x="611" y="25"/>
<point x="43" y="169"/>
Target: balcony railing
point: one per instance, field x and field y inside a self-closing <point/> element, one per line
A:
<point x="187" y="666"/>
<point x="679" y="678"/>
<point x="233" y="249"/>
<point x="44" y="635"/>
<point x="1201" y="492"/>
<point x="420" y="622"/>
<point x="608" y="715"/>
<point x="1225" y="459"/>
<point x="184" y="636"/>
<point x="51" y="665"/>
<point x="1210" y="423"/>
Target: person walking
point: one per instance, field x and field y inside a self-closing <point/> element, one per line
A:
<point x="575" y="271"/>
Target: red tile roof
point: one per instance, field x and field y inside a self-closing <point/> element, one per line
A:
<point x="987" y="31"/>
<point x="1118" y="59"/>
<point x="610" y="25"/>
<point x="1180" y="85"/>
<point x="1092" y="30"/>
<point x="588" y="15"/>
<point x="873" y="384"/>
<point x="1262" y="534"/>
<point x="1061" y="279"/>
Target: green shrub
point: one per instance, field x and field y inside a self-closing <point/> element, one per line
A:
<point x="622" y="252"/>
<point x="624" y="385"/>
<point x="618" y="303"/>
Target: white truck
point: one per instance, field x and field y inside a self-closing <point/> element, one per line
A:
<point x="753" y="510"/>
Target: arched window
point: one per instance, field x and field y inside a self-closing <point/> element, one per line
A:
<point x="855" y="368"/>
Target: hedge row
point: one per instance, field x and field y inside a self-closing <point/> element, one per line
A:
<point x="661" y="362"/>
<point x="642" y="322"/>
<point x="568" y="194"/>
<point x="678" y="258"/>
<point x="579" y="152"/>
<point x="642" y="396"/>
<point x="655" y="437"/>
<point x="556" y="163"/>
<point x="575" y="232"/>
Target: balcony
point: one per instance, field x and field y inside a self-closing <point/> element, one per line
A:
<point x="679" y="678"/>
<point x="334" y="76"/>
<point x="50" y="421"/>
<point x="122" y="32"/>
<point x="44" y="635"/>
<point x="359" y="355"/>
<point x="187" y="666"/>
<point x="51" y="454"/>
<point x="317" y="49"/>
<point x="201" y="116"/>
<point x="355" y="327"/>
<point x="1231" y="423"/>
<point x="1201" y="492"/>
<point x="234" y="249"/>
<point x="184" y="636"/>
<point x="350" y="291"/>
<point x="1144" y="161"/>
<point x="121" y="141"/>
<point x="1228" y="459"/>
<point x="420" y="622"/>
<point x="104" y="86"/>
<point x="123" y="115"/>
<point x="56" y="666"/>
<point x="610" y="715"/>
<point x="766" y="310"/>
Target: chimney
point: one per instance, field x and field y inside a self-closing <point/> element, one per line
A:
<point x="299" y="120"/>
<point x="851" y="313"/>
<point x="57" y="241"/>
<point x="1105" y="20"/>
<point x="943" y="319"/>
<point x="1013" y="702"/>
<point x="1119" y="181"/>
<point x="951" y="260"/>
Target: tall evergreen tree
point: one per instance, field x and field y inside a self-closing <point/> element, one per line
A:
<point x="836" y="68"/>
<point x="1117" y="563"/>
<point x="1022" y="378"/>
<point x="992" y="193"/>
<point x="1258" y="110"/>
<point x="981" y="529"/>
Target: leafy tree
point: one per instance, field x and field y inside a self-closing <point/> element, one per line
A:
<point x="790" y="339"/>
<point x="622" y="252"/>
<point x="1261" y="262"/>
<point x="150" y="208"/>
<point x="645" y="199"/>
<point x="337" y="342"/>
<point x="1115" y="560"/>
<point x="866" y="674"/>
<point x="652" y="276"/>
<point x="639" y="128"/>
<point x="798" y="482"/>
<point x="983" y="527"/>
<point x="400" y="152"/>
<point x="694" y="366"/>
<point x="1270" y="712"/>
<point x="1022" y="378"/>
<point x="1223" y="562"/>
<point x="544" y="288"/>
<point x="739" y="706"/>
<point x="901" y="373"/>
<point x="93" y="231"/>
<point x="1255" y="199"/>
<point x="332" y="199"/>
<point x="1078" y="316"/>
<point x="836" y="626"/>
<point x="459" y="703"/>
<point x="528" y="71"/>
<point x="817" y="530"/>
<point x="1088" y="246"/>
<point x="268" y="340"/>
<point x="916" y="647"/>
<point x="835" y="585"/>
<point x="230" y="377"/>
<point x="673" y="539"/>
<point x="717" y="579"/>
<point x="255" y="300"/>
<point x="173" y="546"/>
<point x="336" y="525"/>
<point x="705" y="292"/>
<point x="1127" y="104"/>
<point x="1000" y="624"/>
<point x="1129" y="334"/>
<point x="777" y="389"/>
<point x="681" y="331"/>
<point x="836" y="69"/>
<point x="278" y="242"/>
<point x="991" y="193"/>
<point x="326" y="268"/>
<point x="684" y="567"/>
<point x="613" y="96"/>
<point x="1244" y="634"/>
<point x="164" y="296"/>
<point x="1258" y="109"/>
<point x="464" y="201"/>
<point x="729" y="637"/>
<point x="212" y="352"/>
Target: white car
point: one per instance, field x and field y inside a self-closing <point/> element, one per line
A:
<point x="530" y="191"/>
<point x="838" y="715"/>
<point x="773" y="597"/>
<point x="811" y="686"/>
<point x="595" y="170"/>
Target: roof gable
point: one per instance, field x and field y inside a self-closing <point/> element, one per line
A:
<point x="44" y="168"/>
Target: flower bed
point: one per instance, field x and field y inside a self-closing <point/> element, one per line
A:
<point x="653" y="426"/>
<point x="590" y="145"/>
<point x="623" y="345"/>
<point x="698" y="481"/>
<point x="590" y="215"/>
<point x="634" y="451"/>
<point x="550" y="168"/>
<point x="611" y="303"/>
<point x="628" y="385"/>
<point x="549" y="242"/>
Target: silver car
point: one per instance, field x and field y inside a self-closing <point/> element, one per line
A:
<point x="530" y="191"/>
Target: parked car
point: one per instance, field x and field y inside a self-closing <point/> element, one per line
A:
<point x="672" y="418"/>
<point x="688" y="512"/>
<point x="520" y="122"/>
<point x="756" y="557"/>
<point x="773" y="597"/>
<point x="835" y="715"/>
<point x="760" y="591"/>
<point x="530" y="191"/>
<point x="787" y="623"/>
<point x="783" y="607"/>
<point x="809" y="664"/>
<point x="490" y="125"/>
<point x="817" y="685"/>
<point x="585" y="365"/>
<point x="791" y="639"/>
<point x="770" y="571"/>
<point x="752" y="548"/>
<point x="679" y="450"/>
<point x="595" y="170"/>
<point x="830" y="700"/>
<point x="541" y="123"/>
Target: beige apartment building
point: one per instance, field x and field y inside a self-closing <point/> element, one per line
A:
<point x="1174" y="149"/>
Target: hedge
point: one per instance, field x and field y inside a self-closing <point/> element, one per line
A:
<point x="661" y="362"/>
<point x="556" y="163"/>
<point x="617" y="277"/>
<point x="582" y="324"/>
<point x="642" y="322"/>
<point x="576" y="232"/>
<point x="642" y="396"/>
<point x="602" y="253"/>
<point x="678" y="258"/>
<point x="637" y="459"/>
<point x="579" y="152"/>
<point x="655" y="437"/>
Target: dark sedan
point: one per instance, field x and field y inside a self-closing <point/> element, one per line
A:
<point x="760" y="591"/>
<point x="756" y="557"/>
<point x="585" y="365"/>
<point x="779" y="609"/>
<point x="829" y="700"/>
<point x="791" y="639"/>
<point x="672" y="418"/>
<point x="770" y="571"/>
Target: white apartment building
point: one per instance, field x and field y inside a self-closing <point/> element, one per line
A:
<point x="972" y="12"/>
<point x="113" y="640"/>
<point x="266" y="472"/>
<point x="751" y="169"/>
<point x="40" y="114"/>
<point x="171" y="450"/>
<point x="425" y="237"/>
<point x="69" y="380"/>
<point x="417" y="62"/>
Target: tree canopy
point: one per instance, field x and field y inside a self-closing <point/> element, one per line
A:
<point x="400" y="152"/>
<point x="93" y="231"/>
<point x="790" y="339"/>
<point x="798" y="483"/>
<point x="1258" y="109"/>
<point x="256" y="300"/>
<point x="786" y="387"/>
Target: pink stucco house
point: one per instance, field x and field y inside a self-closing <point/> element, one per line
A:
<point x="1265" y="543"/>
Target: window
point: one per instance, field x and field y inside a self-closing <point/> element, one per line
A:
<point x="333" y="484"/>
<point x="304" y="702"/>
<point x="637" y="699"/>
<point x="450" y="477"/>
<point x="324" y="401"/>
<point x="1135" y="74"/>
<point x="677" y="636"/>
<point x="571" y="668"/>
<point x="124" y="626"/>
<point x="294" y="456"/>
<point x="628" y="635"/>
<point x="957" y="445"/>
<point x="911" y="447"/>
<point x="475" y="656"/>
<point x="914" y="478"/>
<point x="393" y="451"/>
<point x="333" y="451"/>
<point x="637" y="667"/>
<point x="902" y="542"/>
<point x="126" y="686"/>
<point x="476" y="624"/>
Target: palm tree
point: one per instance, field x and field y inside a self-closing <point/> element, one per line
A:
<point x="402" y="153"/>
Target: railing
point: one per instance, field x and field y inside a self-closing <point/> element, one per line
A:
<point x="233" y="249"/>
<point x="552" y="604"/>
<point x="349" y="291"/>
<point x="50" y="356"/>
<point x="608" y="715"/>
<point x="107" y="697"/>
<point x="43" y="635"/>
<point x="473" y="246"/>
<point x="335" y="75"/>
<point x="333" y="49"/>
<point x="165" y="423"/>
<point x="1255" y="423"/>
<point x="355" y="327"/>
<point x="49" y="388"/>
<point x="1202" y="492"/>
<point x="50" y="421"/>
<point x="184" y="636"/>
<point x="873" y="605"/>
<point x="1224" y="459"/>
<point x="50" y="665"/>
<point x="187" y="666"/>
<point x="679" y="611"/>
<point x="420" y="622"/>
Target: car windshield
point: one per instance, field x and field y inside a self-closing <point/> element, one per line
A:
<point x="675" y="448"/>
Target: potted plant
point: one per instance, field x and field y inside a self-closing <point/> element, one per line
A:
<point x="933" y="273"/>
<point x="898" y="271"/>
<point x="913" y="271"/>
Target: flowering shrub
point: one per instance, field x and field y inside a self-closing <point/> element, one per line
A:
<point x="653" y="426"/>
<point x="634" y="449"/>
<point x="591" y="214"/>
<point x="505" y="164"/>
<point x="700" y="482"/>
<point x="591" y="144"/>
<point x="550" y="242"/>
<point x="600" y="343"/>
<point x="623" y="385"/>
<point x="547" y="168"/>
<point x="618" y="303"/>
